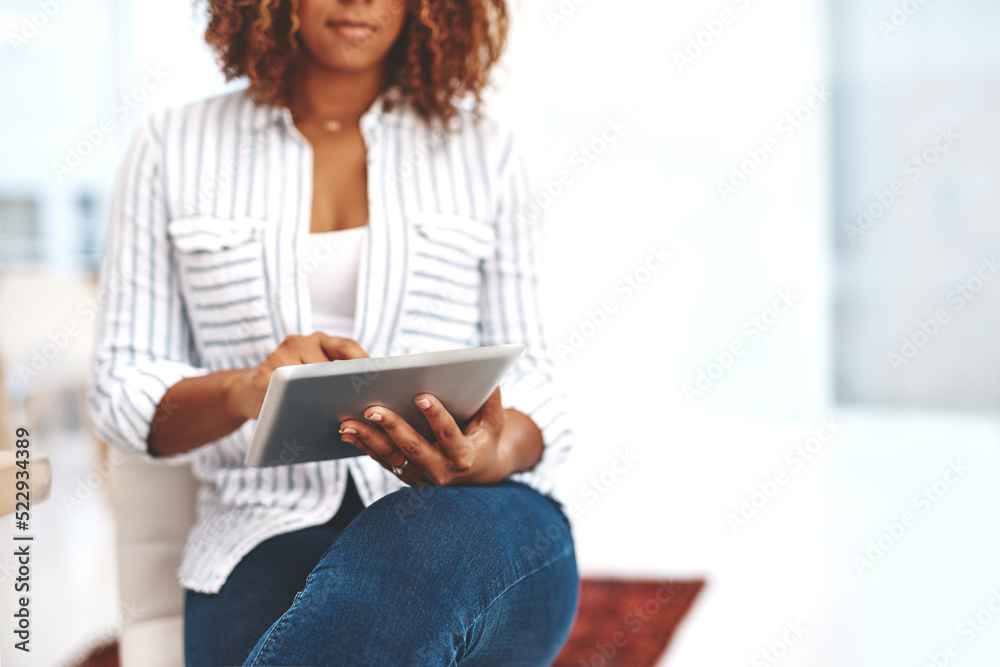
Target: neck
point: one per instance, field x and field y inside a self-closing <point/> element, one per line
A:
<point x="323" y="94"/>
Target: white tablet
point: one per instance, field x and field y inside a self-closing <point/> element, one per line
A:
<point x="304" y="405"/>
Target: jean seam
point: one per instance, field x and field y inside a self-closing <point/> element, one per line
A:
<point x="562" y="555"/>
<point x="271" y="631"/>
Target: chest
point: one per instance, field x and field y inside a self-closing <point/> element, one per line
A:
<point x="340" y="182"/>
<point x="431" y="218"/>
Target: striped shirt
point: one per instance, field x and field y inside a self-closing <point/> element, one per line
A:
<point x="203" y="272"/>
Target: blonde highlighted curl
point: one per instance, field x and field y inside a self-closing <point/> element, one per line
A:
<point x="445" y="51"/>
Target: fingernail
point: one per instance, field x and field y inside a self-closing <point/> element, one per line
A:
<point x="374" y="416"/>
<point x="424" y="403"/>
<point x="348" y="430"/>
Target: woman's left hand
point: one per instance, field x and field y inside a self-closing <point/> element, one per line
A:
<point x="471" y="456"/>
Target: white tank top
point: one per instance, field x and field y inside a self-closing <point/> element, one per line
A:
<point x="331" y="261"/>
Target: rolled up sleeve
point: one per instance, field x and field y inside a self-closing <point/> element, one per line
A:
<point x="512" y="313"/>
<point x="143" y="343"/>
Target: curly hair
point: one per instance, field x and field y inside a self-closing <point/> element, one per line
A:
<point x="445" y="51"/>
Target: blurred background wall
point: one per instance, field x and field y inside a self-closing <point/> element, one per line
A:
<point x="788" y="334"/>
<point x="915" y="226"/>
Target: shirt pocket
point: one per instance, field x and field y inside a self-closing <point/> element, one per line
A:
<point x="224" y="285"/>
<point x="445" y="280"/>
<point x="455" y="235"/>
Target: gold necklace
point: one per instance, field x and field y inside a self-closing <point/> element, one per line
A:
<point x="332" y="126"/>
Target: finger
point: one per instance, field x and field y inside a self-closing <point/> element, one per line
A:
<point x="450" y="439"/>
<point x="374" y="442"/>
<point x="337" y="347"/>
<point x="313" y="348"/>
<point x="360" y="444"/>
<point x="414" y="446"/>
<point x="292" y="351"/>
<point x="388" y="456"/>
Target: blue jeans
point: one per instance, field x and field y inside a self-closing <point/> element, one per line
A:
<point x="425" y="576"/>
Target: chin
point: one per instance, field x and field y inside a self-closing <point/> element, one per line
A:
<point x="346" y="57"/>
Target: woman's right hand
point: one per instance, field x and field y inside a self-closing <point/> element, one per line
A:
<point x="248" y="393"/>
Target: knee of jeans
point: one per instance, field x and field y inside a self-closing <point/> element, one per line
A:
<point x="412" y="501"/>
<point x="546" y="543"/>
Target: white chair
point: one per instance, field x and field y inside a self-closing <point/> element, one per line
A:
<point x="154" y="507"/>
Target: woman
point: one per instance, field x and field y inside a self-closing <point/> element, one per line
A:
<point x="352" y="201"/>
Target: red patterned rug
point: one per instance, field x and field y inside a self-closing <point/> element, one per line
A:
<point x="619" y="623"/>
<point x="626" y="623"/>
